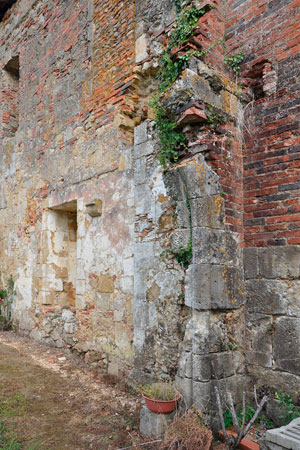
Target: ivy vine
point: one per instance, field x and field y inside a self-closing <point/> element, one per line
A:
<point x="173" y="61"/>
<point x="171" y="67"/>
<point x="234" y="62"/>
<point x="170" y="140"/>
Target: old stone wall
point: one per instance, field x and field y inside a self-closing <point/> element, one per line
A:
<point x="188" y="271"/>
<point x="67" y="121"/>
<point x="268" y="33"/>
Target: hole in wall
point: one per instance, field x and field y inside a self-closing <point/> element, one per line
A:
<point x="262" y="79"/>
<point x="4" y="6"/>
<point x="63" y="251"/>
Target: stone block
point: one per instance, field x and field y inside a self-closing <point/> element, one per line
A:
<point x="194" y="366"/>
<point x="286" y="437"/>
<point x="144" y="201"/>
<point x="105" y="284"/>
<point x="154" y="425"/>
<point x="198" y="286"/>
<point x="94" y="209"/>
<point x="144" y="256"/>
<point x="140" y="171"/>
<point x="196" y="338"/>
<point x="141" y="133"/>
<point x="227" y="364"/>
<point x="264" y="296"/>
<point x="218" y="339"/>
<point x="175" y="186"/>
<point x="201" y="367"/>
<point x="287" y="344"/>
<point x="144" y="149"/>
<point x="199" y="179"/>
<point x="258" y="339"/>
<point x="284" y="380"/>
<point x="273" y="296"/>
<point x="213" y="287"/>
<point x="185" y="365"/>
<point x="250" y="263"/>
<point x="235" y="384"/>
<point x="207" y="211"/>
<point x="226" y="287"/>
<point x="141" y="48"/>
<point x="189" y="87"/>
<point x="215" y="247"/>
<point x="202" y="395"/>
<point x="185" y="387"/>
<point x="275" y="412"/>
<point x="182" y="212"/>
<point x="279" y="262"/>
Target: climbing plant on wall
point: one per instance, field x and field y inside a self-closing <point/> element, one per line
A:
<point x="173" y="62"/>
<point x="170" y="139"/>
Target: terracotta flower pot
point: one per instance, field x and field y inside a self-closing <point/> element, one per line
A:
<point x="161" y="406"/>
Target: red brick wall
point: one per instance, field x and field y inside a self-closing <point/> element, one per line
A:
<point x="269" y="31"/>
<point x="113" y="61"/>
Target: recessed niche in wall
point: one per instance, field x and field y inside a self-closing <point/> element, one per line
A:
<point x="63" y="251"/>
<point x="262" y="78"/>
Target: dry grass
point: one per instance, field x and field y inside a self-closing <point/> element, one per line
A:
<point x="187" y="433"/>
<point x="59" y="405"/>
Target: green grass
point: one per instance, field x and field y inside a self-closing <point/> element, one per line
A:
<point x="7" y="443"/>
<point x="13" y="406"/>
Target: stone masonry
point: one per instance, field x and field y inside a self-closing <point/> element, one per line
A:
<point x="91" y="223"/>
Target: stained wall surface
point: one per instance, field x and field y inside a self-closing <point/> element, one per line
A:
<point x="66" y="136"/>
<point x="91" y="223"/>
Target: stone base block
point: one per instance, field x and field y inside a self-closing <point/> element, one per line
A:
<point x="284" y="438"/>
<point x="154" y="425"/>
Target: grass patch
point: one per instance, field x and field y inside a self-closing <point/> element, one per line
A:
<point x="8" y="442"/>
<point x="13" y="406"/>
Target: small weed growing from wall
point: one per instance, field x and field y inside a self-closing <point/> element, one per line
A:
<point x="214" y="117"/>
<point x="170" y="140"/>
<point x="234" y="62"/>
<point x="184" y="254"/>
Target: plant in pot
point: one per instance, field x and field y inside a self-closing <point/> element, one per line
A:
<point x="160" y="398"/>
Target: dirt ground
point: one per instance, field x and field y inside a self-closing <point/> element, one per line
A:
<point x="55" y="401"/>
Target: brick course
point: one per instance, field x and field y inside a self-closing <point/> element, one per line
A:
<point x="271" y="155"/>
